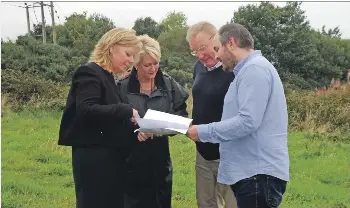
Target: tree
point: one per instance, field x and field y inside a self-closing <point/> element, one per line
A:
<point x="182" y="77"/>
<point x="147" y="26"/>
<point x="82" y="33"/>
<point x="37" y="32"/>
<point x="176" y="57"/>
<point x="174" y="41"/>
<point x="335" y="32"/>
<point x="173" y="20"/>
<point x="79" y="31"/>
<point x="284" y="36"/>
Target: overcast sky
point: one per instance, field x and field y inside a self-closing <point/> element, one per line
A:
<point x="13" y="18"/>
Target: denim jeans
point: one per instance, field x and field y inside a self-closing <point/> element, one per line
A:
<point x="259" y="191"/>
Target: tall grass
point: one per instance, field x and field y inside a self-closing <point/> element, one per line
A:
<point x="37" y="173"/>
<point x="327" y="111"/>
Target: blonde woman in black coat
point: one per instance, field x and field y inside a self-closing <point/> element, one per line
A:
<point x="96" y="124"/>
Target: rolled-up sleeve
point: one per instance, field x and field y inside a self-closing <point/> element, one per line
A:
<point x="253" y="90"/>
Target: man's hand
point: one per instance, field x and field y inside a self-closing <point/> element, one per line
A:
<point x="192" y="133"/>
<point x="144" y="136"/>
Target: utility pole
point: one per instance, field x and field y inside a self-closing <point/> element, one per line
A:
<point x="43" y="22"/>
<point x="53" y="24"/>
<point x="28" y="22"/>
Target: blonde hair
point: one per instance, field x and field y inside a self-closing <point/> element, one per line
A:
<point x="117" y="36"/>
<point x="202" y="26"/>
<point x="148" y="46"/>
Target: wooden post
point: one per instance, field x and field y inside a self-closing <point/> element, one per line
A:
<point x="28" y="22"/>
<point x="43" y="22"/>
<point x="54" y="38"/>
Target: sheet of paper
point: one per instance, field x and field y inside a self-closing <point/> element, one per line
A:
<point x="159" y="131"/>
<point x="163" y="123"/>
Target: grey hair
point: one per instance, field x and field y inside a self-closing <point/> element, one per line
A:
<point x="202" y="26"/>
<point x="237" y="31"/>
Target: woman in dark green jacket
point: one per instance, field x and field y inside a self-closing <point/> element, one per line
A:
<point x="149" y="169"/>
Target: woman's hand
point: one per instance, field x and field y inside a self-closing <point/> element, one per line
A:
<point x="144" y="136"/>
<point x="135" y="115"/>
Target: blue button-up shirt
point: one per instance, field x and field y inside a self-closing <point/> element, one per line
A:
<point x="253" y="130"/>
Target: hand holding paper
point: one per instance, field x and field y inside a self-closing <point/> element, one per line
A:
<point x="192" y="133"/>
<point x="135" y="116"/>
<point x="144" y="136"/>
<point x="157" y="122"/>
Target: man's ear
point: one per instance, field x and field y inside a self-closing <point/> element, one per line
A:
<point x="231" y="41"/>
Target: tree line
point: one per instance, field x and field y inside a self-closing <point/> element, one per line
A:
<point x="304" y="57"/>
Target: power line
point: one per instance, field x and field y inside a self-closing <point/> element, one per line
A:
<point x="58" y="17"/>
<point x="35" y="14"/>
<point x="60" y="10"/>
<point x="71" y="25"/>
<point x="62" y="23"/>
<point x="14" y="5"/>
<point x="31" y="19"/>
<point x="26" y="6"/>
<point x="49" y="10"/>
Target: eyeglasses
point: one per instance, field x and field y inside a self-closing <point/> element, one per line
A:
<point x="202" y="47"/>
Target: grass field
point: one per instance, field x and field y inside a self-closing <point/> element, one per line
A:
<point x="36" y="173"/>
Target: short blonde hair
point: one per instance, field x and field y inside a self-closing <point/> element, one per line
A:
<point x="148" y="46"/>
<point x="200" y="27"/>
<point x="117" y="36"/>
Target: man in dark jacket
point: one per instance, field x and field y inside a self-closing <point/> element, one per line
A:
<point x="209" y="88"/>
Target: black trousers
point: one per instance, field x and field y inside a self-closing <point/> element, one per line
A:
<point x="149" y="175"/>
<point x="98" y="176"/>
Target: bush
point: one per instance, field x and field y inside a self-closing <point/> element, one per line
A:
<point x="50" y="61"/>
<point x="29" y="90"/>
<point x="327" y="112"/>
<point x="182" y="77"/>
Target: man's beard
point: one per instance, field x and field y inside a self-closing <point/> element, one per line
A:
<point x="228" y="67"/>
<point x="229" y="64"/>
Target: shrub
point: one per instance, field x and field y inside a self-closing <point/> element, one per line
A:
<point x="182" y="77"/>
<point x="50" y="61"/>
<point x="328" y="112"/>
<point x="30" y="90"/>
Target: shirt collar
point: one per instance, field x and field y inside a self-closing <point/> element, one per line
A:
<point x="217" y="65"/>
<point x="240" y="64"/>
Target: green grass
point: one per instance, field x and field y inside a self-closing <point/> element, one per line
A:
<point x="36" y="173"/>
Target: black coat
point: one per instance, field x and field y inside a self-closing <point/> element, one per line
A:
<point x="94" y="114"/>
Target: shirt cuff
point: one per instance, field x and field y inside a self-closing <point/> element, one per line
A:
<point x="203" y="133"/>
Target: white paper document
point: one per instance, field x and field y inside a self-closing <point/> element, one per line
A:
<point x="157" y="122"/>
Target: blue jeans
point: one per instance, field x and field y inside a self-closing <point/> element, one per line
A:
<point x="259" y="191"/>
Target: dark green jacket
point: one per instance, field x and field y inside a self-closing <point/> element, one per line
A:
<point x="151" y="157"/>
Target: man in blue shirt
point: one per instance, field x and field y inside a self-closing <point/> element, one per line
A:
<point x="252" y="132"/>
